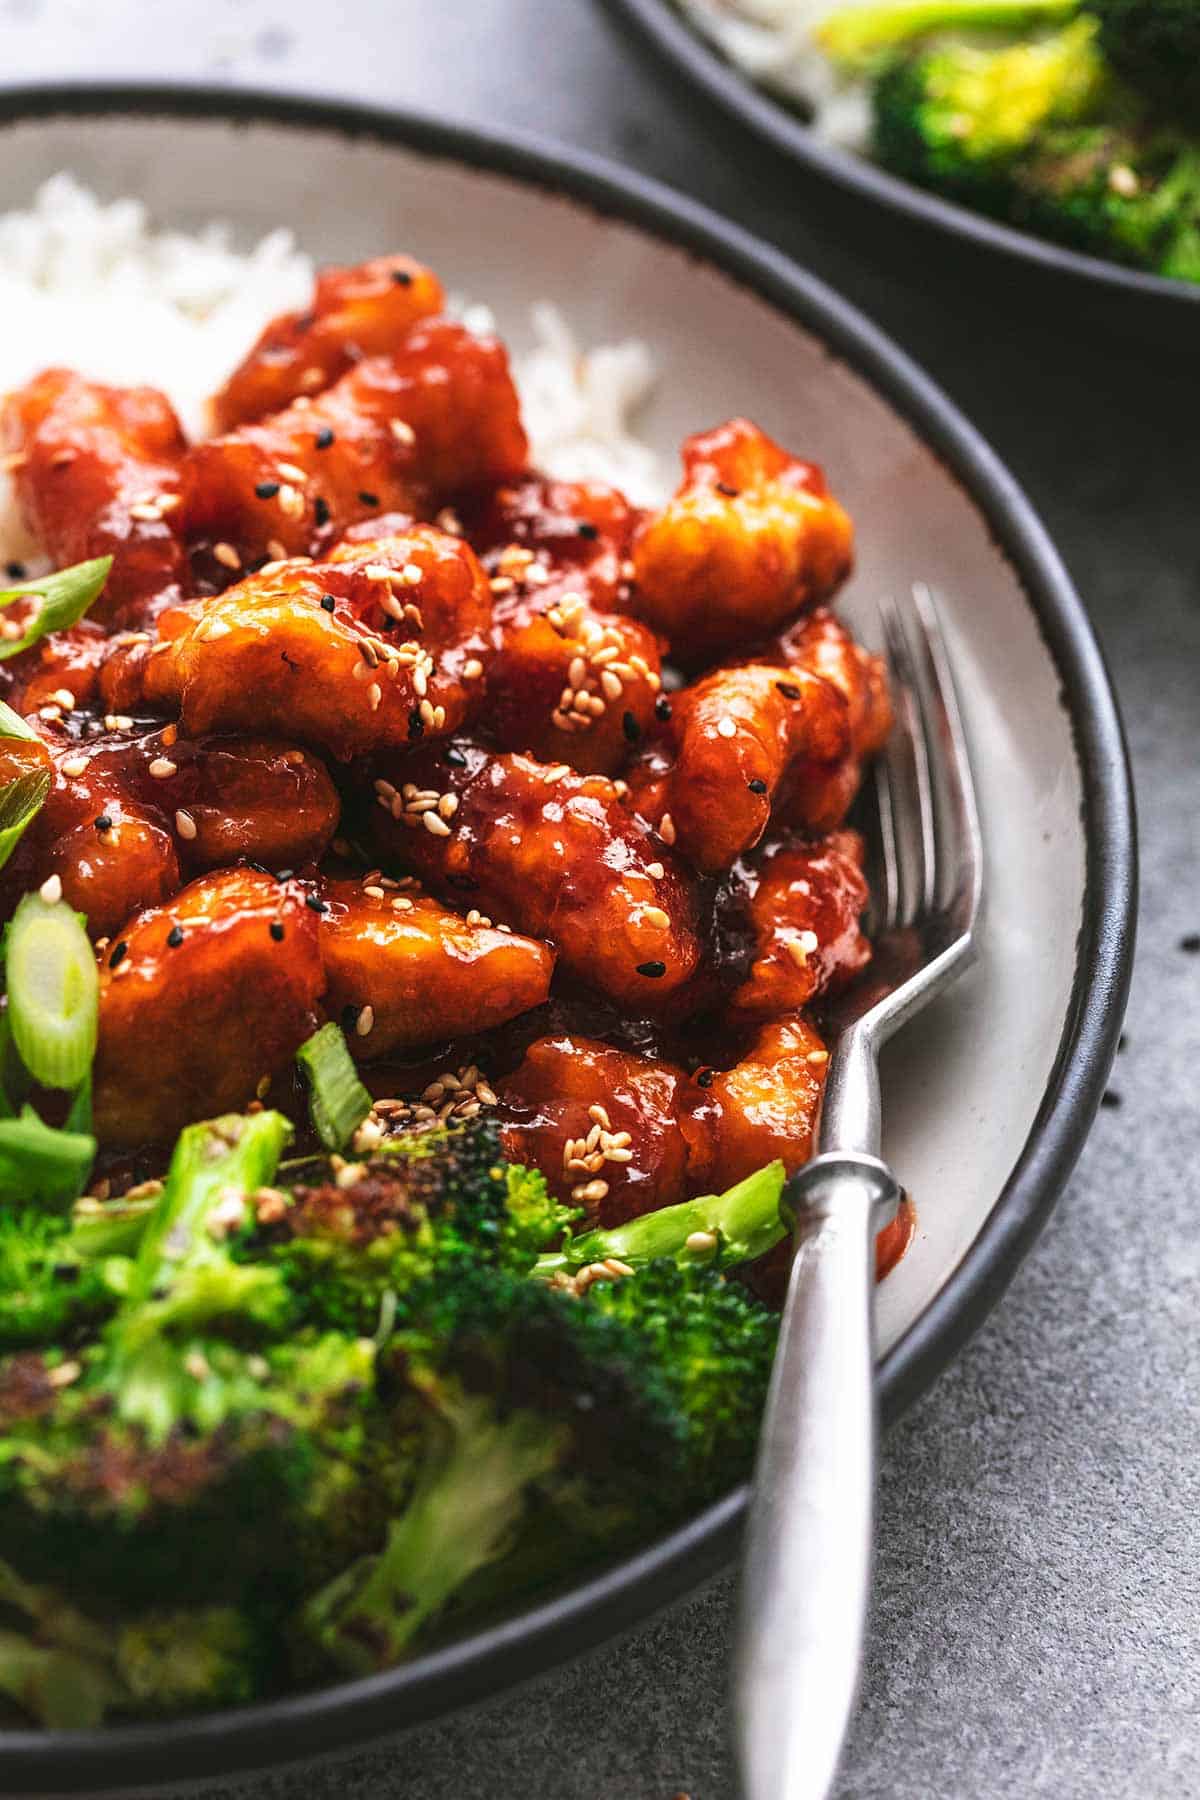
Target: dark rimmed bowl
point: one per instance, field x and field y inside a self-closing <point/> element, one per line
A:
<point x="1125" y="297"/>
<point x="1000" y="1090"/>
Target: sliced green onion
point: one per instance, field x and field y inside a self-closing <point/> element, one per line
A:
<point x="65" y="597"/>
<point x="338" y="1102"/>
<point x="13" y="725"/>
<point x="853" y="34"/>
<point x="38" y="1163"/>
<point x="20" y="802"/>
<point x="53" y="991"/>
<point x="79" y="1114"/>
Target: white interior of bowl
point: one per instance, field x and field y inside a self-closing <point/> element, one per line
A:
<point x="963" y="1085"/>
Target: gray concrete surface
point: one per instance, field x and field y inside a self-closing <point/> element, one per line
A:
<point x="1035" y="1626"/>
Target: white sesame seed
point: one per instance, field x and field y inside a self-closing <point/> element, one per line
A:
<point x="817" y="1057"/>
<point x="726" y="727"/>
<point x="655" y="871"/>
<point x="51" y="890"/>
<point x="225" y="553"/>
<point x="433" y="823"/>
<point x="700" y="1243"/>
<point x="410" y="574"/>
<point x="75" y="765"/>
<point x="402" y="904"/>
<point x="162" y="768"/>
<point x="291" y="472"/>
<point x="147" y="511"/>
<point x="473" y="669"/>
<point x="185" y="825"/>
<point x="403" y="432"/>
<point x="373" y="892"/>
<point x="666" y="828"/>
<point x="65" y="698"/>
<point x="374" y="696"/>
<point x="654" y="915"/>
<point x="364" y="1024"/>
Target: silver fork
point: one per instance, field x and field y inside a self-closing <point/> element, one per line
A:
<point x="808" y="1556"/>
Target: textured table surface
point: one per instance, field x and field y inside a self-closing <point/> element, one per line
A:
<point x="1038" y="1585"/>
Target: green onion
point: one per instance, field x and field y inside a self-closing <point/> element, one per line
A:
<point x="53" y="992"/>
<point x="38" y="1163"/>
<point x="855" y="34"/>
<point x="20" y="802"/>
<point x="338" y="1101"/>
<point x="65" y="596"/>
<point x="13" y="725"/>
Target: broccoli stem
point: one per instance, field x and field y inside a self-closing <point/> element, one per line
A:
<point x="467" y="1504"/>
<point x="855" y="34"/>
<point x="718" y="1230"/>
<point x="218" y="1158"/>
<point x="60" y="1670"/>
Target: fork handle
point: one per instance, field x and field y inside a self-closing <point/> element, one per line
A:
<point x="808" y="1558"/>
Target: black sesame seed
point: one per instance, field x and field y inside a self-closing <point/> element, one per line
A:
<point x="788" y="690"/>
<point x="276" y="929"/>
<point x="631" y="728"/>
<point x="175" y="937"/>
<point x="454" y="757"/>
<point x="653" y="970"/>
<point x="284" y="874"/>
<point x="367" y="499"/>
<point x="416" y="724"/>
<point x="119" y="953"/>
<point x="266" y="490"/>
<point x="16" y="571"/>
<point x="402" y="277"/>
<point x="104" y="822"/>
<point x="320" y="510"/>
<point x="328" y="602"/>
<point x="662" y="708"/>
<point x="1110" y="1100"/>
<point x="324" y="437"/>
<point x="260" y="866"/>
<point x="705" y="1077"/>
<point x="315" y="905"/>
<point x="730" y="493"/>
<point x="1190" y="944"/>
<point x="587" y="530"/>
<point x="757" y="786"/>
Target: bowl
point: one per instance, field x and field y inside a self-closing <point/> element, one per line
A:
<point x="988" y="1099"/>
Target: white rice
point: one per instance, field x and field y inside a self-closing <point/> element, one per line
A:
<point x="773" y="42"/>
<point x="95" y="287"/>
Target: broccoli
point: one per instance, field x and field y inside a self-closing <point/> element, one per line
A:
<point x="49" y="1291"/>
<point x="716" y="1231"/>
<point x="617" y="1411"/>
<point x="68" y="1670"/>
<point x="358" y="1237"/>
<point x="1040" y="135"/>
<point x="1154" y="45"/>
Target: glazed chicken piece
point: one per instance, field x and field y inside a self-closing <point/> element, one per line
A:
<point x="803" y="903"/>
<point x="362" y="311"/>
<point x="200" y="1000"/>
<point x="752" y="536"/>
<point x="540" y="539"/>
<point x="404" y="971"/>
<point x="813" y="796"/>
<point x="132" y="815"/>
<point x="621" y="1134"/>
<point x="605" y="1127"/>
<point x="572" y="680"/>
<point x="97" y="472"/>
<point x="728" y="744"/>
<point x="766" y="1106"/>
<point x="381" y="644"/>
<point x="395" y="434"/>
<point x="552" y="853"/>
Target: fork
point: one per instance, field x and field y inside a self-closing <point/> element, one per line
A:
<point x="808" y="1558"/>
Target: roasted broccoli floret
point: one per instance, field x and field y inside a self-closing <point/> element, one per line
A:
<point x="610" y="1414"/>
<point x="1039" y="134"/>
<point x="356" y="1239"/>
<point x="49" y="1291"/>
<point x="68" y="1670"/>
<point x="1155" y="46"/>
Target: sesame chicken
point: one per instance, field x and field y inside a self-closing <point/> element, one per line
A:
<point x="327" y="653"/>
<point x="427" y="973"/>
<point x="362" y="311"/>
<point x="751" y="537"/>
<point x="97" y="472"/>
<point x="554" y="853"/>
<point x="803" y="901"/>
<point x="201" y="998"/>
